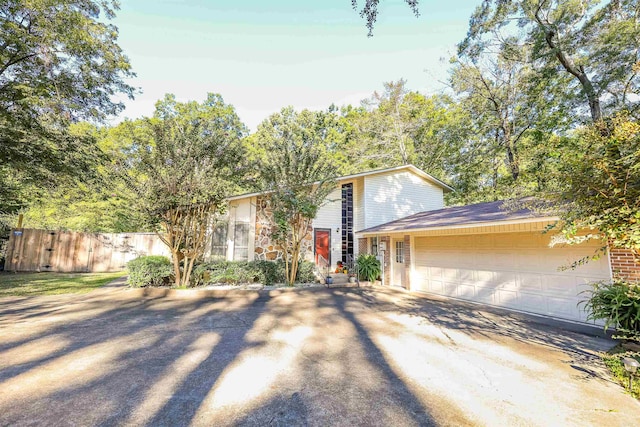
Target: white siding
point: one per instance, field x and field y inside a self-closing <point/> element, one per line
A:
<point x="330" y="216"/>
<point x="392" y="196"/>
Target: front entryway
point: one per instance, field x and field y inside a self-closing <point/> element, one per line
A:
<point x="322" y="245"/>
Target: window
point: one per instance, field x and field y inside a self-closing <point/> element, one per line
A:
<point x="347" y="223"/>
<point x="241" y="241"/>
<point x="400" y="252"/>
<point x="374" y="245"/>
<point x="219" y="241"/>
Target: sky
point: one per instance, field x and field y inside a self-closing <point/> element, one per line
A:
<point x="264" y="55"/>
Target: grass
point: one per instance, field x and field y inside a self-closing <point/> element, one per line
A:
<point x="613" y="360"/>
<point x="33" y="284"/>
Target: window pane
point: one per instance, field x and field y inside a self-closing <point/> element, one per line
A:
<point x="219" y="241"/>
<point x="399" y="252"/>
<point x="241" y="241"/>
<point x="374" y="245"/>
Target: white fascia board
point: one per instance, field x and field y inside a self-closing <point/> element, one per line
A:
<point x="459" y="226"/>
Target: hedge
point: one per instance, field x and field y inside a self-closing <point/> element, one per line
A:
<point x="149" y="271"/>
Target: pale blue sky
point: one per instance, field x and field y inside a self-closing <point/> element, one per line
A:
<point x="263" y="55"/>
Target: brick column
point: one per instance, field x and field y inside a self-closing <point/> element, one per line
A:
<point x="624" y="265"/>
<point x="407" y="262"/>
<point x="386" y="260"/>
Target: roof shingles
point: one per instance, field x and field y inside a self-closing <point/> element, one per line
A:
<point x="458" y="216"/>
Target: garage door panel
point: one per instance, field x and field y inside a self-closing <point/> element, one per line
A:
<point x="530" y="282"/>
<point x="533" y="302"/>
<point x="450" y="288"/>
<point x="485" y="277"/>
<point x="466" y="291"/>
<point x="559" y="285"/>
<point x="485" y="295"/>
<point x="513" y="270"/>
<point x="507" y="298"/>
<point x="505" y="279"/>
<point x="563" y="307"/>
<point x="466" y="275"/>
<point x="437" y="287"/>
<point x="450" y="274"/>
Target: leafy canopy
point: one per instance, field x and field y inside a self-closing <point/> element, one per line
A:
<point x="187" y="159"/>
<point x="297" y="174"/>
<point x="59" y="63"/>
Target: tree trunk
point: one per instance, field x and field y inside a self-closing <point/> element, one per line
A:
<point x="176" y="267"/>
<point x="577" y="71"/>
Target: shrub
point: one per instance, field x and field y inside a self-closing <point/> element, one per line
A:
<point x="231" y="272"/>
<point x="368" y="267"/>
<point x="237" y="272"/>
<point x="149" y="271"/>
<point x="273" y="271"/>
<point x="306" y="272"/>
<point x="618" y="304"/>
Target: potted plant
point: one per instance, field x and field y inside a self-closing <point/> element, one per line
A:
<point x="352" y="278"/>
<point x="368" y="267"/>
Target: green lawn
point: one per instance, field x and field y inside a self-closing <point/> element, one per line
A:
<point x="614" y="361"/>
<point x="32" y="284"/>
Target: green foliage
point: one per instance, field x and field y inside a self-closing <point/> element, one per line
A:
<point x="35" y="284"/>
<point x="59" y="63"/>
<point x="369" y="11"/>
<point x="230" y="272"/>
<point x="306" y="272"/>
<point x="238" y="272"/>
<point x="368" y="267"/>
<point x="149" y="271"/>
<point x="297" y="176"/>
<point x="618" y="304"/>
<point x="183" y="163"/>
<point x="613" y="360"/>
<point x="594" y="43"/>
<point x="602" y="190"/>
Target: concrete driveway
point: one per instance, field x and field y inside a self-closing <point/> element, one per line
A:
<point x="314" y="357"/>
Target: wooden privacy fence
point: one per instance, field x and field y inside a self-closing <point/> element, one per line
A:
<point x="68" y="251"/>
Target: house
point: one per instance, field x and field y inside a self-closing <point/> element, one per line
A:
<point x="487" y="252"/>
<point x="359" y="201"/>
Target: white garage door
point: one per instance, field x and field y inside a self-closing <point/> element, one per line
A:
<point x="513" y="270"/>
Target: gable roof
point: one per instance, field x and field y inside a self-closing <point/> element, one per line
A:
<point x="411" y="168"/>
<point x="460" y="217"/>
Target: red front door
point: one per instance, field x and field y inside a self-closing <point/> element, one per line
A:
<point x="322" y="237"/>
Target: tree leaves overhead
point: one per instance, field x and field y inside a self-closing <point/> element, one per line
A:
<point x="602" y="190"/>
<point x="58" y="58"/>
<point x="594" y="42"/>
<point x="297" y="173"/>
<point x="369" y="11"/>
<point x="187" y="154"/>
<point x="59" y="63"/>
<point x="183" y="162"/>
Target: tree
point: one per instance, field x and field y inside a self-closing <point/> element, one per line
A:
<point x="296" y="174"/>
<point x="99" y="202"/>
<point x="370" y="11"/>
<point x="595" y="43"/>
<point x="59" y="63"/>
<point x="602" y="191"/>
<point x="390" y="123"/>
<point x="188" y="158"/>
